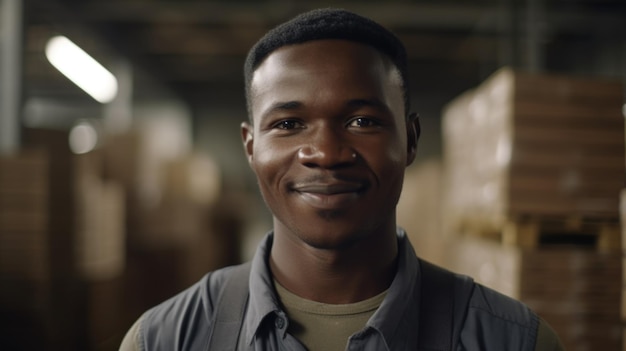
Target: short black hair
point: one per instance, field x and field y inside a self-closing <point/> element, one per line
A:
<point x="329" y="23"/>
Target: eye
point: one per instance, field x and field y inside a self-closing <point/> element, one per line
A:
<point x="288" y="124"/>
<point x="362" y="122"/>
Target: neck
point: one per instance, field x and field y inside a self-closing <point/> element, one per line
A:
<point x="335" y="276"/>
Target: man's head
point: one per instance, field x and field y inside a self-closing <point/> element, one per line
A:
<point x="330" y="24"/>
<point x="330" y="138"/>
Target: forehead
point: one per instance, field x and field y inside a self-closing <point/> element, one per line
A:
<point x="297" y="72"/>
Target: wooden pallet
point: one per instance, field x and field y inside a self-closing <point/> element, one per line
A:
<point x="528" y="232"/>
<point x="602" y="234"/>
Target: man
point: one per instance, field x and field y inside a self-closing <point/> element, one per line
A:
<point x="329" y="138"/>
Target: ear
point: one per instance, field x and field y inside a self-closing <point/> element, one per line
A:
<point x="413" y="131"/>
<point x="247" y="136"/>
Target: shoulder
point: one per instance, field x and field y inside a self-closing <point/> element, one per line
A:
<point x="495" y="321"/>
<point x="183" y="321"/>
<point x="488" y="302"/>
<point x="131" y="341"/>
<point x="547" y="339"/>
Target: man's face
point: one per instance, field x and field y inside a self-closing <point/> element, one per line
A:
<point x="329" y="142"/>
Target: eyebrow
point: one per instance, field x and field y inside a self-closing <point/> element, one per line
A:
<point x="376" y="103"/>
<point x="282" y="106"/>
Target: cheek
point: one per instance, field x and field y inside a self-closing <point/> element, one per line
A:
<point x="393" y="173"/>
<point x="391" y="156"/>
<point x="390" y="166"/>
<point x="270" y="163"/>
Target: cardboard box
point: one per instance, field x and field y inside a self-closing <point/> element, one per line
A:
<point x="533" y="145"/>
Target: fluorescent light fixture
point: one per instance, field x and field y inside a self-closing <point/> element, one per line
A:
<point x="81" y="69"/>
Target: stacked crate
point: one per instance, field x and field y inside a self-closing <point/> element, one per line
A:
<point x="100" y="250"/>
<point x="24" y="269"/>
<point x="99" y="220"/>
<point x="61" y="247"/>
<point x="524" y="145"/>
<point x="179" y="224"/>
<point x="577" y="291"/>
<point x="419" y="210"/>
<point x="537" y="162"/>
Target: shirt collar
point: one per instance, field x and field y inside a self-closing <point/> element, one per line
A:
<point x="396" y="315"/>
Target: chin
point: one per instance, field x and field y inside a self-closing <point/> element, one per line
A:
<point x="330" y="243"/>
<point x="332" y="237"/>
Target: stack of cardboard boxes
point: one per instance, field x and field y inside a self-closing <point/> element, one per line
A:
<point x="534" y="165"/>
<point x="174" y="207"/>
<point x="24" y="198"/>
<point x="90" y="241"/>
<point x="61" y="234"/>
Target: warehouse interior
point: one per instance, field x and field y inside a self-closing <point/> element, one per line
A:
<point x="109" y="207"/>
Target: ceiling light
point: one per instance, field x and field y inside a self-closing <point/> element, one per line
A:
<point x="83" y="138"/>
<point x="81" y="69"/>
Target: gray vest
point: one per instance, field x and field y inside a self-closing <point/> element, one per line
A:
<point x="461" y="315"/>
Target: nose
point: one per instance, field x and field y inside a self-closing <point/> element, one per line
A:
<point x="326" y="148"/>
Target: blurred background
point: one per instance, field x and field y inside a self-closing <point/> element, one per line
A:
<point x="124" y="181"/>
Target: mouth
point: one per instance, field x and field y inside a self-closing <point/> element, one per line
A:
<point x="330" y="196"/>
<point x="329" y="188"/>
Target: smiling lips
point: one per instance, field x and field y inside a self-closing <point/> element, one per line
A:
<point x="330" y="196"/>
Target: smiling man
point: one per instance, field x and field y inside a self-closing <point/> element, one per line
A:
<point x="329" y="137"/>
<point x="329" y="144"/>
